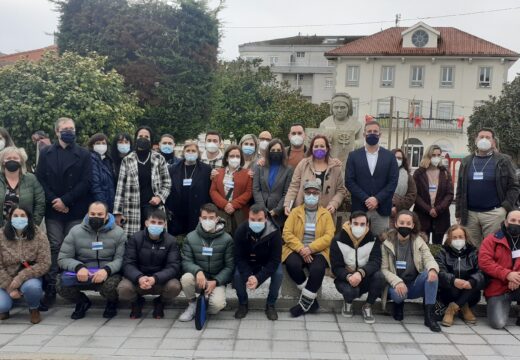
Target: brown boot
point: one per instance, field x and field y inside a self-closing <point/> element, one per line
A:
<point x="450" y="313"/>
<point x="35" y="316"/>
<point x="468" y="315"/>
<point x="4" y="316"/>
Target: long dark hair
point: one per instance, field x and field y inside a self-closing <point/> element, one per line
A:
<point x="405" y="165"/>
<point x="327" y="145"/>
<point x="270" y="146"/>
<point x="228" y="150"/>
<point x="30" y="230"/>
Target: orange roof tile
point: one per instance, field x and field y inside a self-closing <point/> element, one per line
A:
<point x="31" y="55"/>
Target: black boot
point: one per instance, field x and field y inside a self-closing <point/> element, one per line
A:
<point x="242" y="311"/>
<point x="81" y="308"/>
<point x="137" y="308"/>
<point x="429" y="318"/>
<point x="398" y="312"/>
<point x="158" y="308"/>
<point x="110" y="310"/>
<point x="307" y="299"/>
<point x="49" y="299"/>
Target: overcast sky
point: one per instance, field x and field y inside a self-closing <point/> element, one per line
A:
<point x="29" y="24"/>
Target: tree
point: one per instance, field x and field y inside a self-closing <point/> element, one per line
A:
<point x="166" y="51"/>
<point x="33" y="95"/>
<point x="248" y="99"/>
<point x="503" y="115"/>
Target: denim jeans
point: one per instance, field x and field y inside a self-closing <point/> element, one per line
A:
<point x="420" y="287"/>
<point x="32" y="293"/>
<point x="498" y="308"/>
<point x="239" y="283"/>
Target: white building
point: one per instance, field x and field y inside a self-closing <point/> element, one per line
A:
<point x="439" y="74"/>
<point x="299" y="60"/>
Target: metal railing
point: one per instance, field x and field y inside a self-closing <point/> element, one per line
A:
<point x="425" y="124"/>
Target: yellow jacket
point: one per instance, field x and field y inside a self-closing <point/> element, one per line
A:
<point x="294" y="229"/>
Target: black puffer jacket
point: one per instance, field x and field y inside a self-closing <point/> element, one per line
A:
<point x="462" y="264"/>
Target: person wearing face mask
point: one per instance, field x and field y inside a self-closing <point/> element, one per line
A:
<point x="498" y="258"/>
<point x="409" y="268"/>
<point x="318" y="165"/>
<point x="5" y="139"/>
<point x="18" y="187"/>
<point x="91" y="258"/>
<point x="121" y="147"/>
<point x="296" y="151"/>
<point x="103" y="186"/>
<point x="355" y="261"/>
<point x="460" y="280"/>
<point x="25" y="257"/>
<point x="207" y="263"/>
<point x="271" y="182"/>
<point x="258" y="249"/>
<point x="307" y="235"/>
<point x="434" y="194"/>
<point x="64" y="171"/>
<point x="487" y="187"/>
<point x="212" y="154"/>
<point x="232" y="189"/>
<point x="190" y="190"/>
<point x="263" y="142"/>
<point x="167" y="149"/>
<point x="144" y="184"/>
<point x="406" y="191"/>
<point x="249" y="144"/>
<point x="151" y="266"/>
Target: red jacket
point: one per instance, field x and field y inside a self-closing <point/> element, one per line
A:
<point x="242" y="193"/>
<point x="495" y="260"/>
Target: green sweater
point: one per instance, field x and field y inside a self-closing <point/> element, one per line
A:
<point x="31" y="196"/>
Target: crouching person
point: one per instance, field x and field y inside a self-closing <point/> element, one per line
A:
<point x="91" y="257"/>
<point x="207" y="262"/>
<point x="460" y="280"/>
<point x="409" y="268"/>
<point x="355" y="260"/>
<point x="151" y="266"/>
<point x="258" y="251"/>
<point x="498" y="258"/>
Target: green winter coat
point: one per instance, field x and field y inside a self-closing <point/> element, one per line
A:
<point x="217" y="267"/>
<point x="31" y="196"/>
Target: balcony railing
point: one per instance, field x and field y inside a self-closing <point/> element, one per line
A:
<point x="424" y="124"/>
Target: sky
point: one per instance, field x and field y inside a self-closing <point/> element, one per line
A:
<point x="29" y="24"/>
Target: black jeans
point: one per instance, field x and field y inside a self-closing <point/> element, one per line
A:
<point x="373" y="285"/>
<point x="295" y="265"/>
<point x="460" y="297"/>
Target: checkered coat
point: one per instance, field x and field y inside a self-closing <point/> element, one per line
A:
<point x="127" y="201"/>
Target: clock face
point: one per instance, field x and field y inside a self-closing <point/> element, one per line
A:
<point x="420" y="38"/>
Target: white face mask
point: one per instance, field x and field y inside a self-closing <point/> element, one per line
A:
<point x="263" y="145"/>
<point x="297" y="140"/>
<point x="211" y="147"/>
<point x="101" y="149"/>
<point x="399" y="162"/>
<point x="208" y="225"/>
<point x="458" y="244"/>
<point x="436" y="161"/>
<point x="358" y="231"/>
<point x="484" y="144"/>
<point x="234" y="162"/>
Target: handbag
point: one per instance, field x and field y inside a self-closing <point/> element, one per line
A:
<point x="201" y="312"/>
<point x="439" y="309"/>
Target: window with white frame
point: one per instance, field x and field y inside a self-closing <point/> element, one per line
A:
<point x="416" y="107"/>
<point x="417" y="76"/>
<point x="355" y="107"/>
<point x="300" y="77"/>
<point x="352" y="75"/>
<point x="445" y="110"/>
<point x="387" y="76"/>
<point x="447" y="76"/>
<point x="300" y="54"/>
<point x="484" y="76"/>
<point x="273" y="60"/>
<point x="329" y="83"/>
<point x="383" y="108"/>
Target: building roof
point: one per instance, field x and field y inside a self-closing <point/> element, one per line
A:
<point x="324" y="40"/>
<point x="452" y="42"/>
<point x="31" y="55"/>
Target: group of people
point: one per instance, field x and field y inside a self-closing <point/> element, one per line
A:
<point x="129" y="220"/>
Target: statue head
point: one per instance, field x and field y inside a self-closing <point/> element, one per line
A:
<point x="341" y="106"/>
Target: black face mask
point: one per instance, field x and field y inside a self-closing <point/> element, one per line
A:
<point x="404" y="231"/>
<point x="96" y="223"/>
<point x="513" y="230"/>
<point x="143" y="144"/>
<point x="275" y="157"/>
<point x="12" y="165"/>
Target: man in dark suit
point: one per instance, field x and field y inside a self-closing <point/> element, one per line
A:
<point x="371" y="176"/>
<point x="64" y="171"/>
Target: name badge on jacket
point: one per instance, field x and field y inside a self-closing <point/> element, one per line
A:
<point x="97" y="245"/>
<point x="400" y="265"/>
<point x="478" y="175"/>
<point x="207" y="251"/>
<point x="187" y="182"/>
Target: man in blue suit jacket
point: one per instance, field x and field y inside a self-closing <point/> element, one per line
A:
<point x="371" y="176"/>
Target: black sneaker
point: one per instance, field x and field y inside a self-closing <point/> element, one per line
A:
<point x="158" y="308"/>
<point x="81" y="308"/>
<point x="271" y="313"/>
<point x="110" y="310"/>
<point x="296" y="311"/>
<point x="241" y="311"/>
<point x="137" y="308"/>
<point x="398" y="313"/>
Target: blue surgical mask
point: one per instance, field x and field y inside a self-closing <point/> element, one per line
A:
<point x="256" y="226"/>
<point x="248" y="149"/>
<point x="166" y="149"/>
<point x="19" y="223"/>
<point x="191" y="157"/>
<point x="155" y="230"/>
<point x="123" y="148"/>
<point x="311" y="200"/>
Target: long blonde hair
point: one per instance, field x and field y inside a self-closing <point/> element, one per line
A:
<point x="426" y="159"/>
<point x="21" y="154"/>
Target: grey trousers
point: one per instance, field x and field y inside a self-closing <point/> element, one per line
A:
<point x="378" y="223"/>
<point x="498" y="308"/>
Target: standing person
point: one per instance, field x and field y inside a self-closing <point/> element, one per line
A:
<point x="121" y="147"/>
<point x="355" y="261"/>
<point x="207" y="263"/>
<point x="318" y="165"/>
<point x="24" y="258"/>
<point x="151" y="266"/>
<point x="264" y="138"/>
<point x="212" y="154"/>
<point x="167" y="149"/>
<point x="498" y="259"/>
<point x="190" y="190"/>
<point x="296" y="151"/>
<point x="144" y="184"/>
<point x="307" y="234"/>
<point x="5" y="139"/>
<point x="371" y="176"/>
<point x="487" y="188"/>
<point x="406" y="191"/>
<point x="271" y="181"/>
<point x="258" y="249"/>
<point x="249" y="145"/>
<point x="232" y="189"/>
<point x="91" y="258"/>
<point x="434" y="194"/>
<point x="103" y="182"/>
<point x="65" y="172"/>
<point x="18" y="187"/>
<point x="409" y="268"/>
<point x="460" y="280"/>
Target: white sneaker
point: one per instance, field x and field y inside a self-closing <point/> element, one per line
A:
<point x="347" y="310"/>
<point x="189" y="313"/>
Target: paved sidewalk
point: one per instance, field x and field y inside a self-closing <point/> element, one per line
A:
<point x="320" y="336"/>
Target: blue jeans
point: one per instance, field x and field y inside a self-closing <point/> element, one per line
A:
<point x="32" y="293"/>
<point x="239" y="283"/>
<point x="421" y="287"/>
